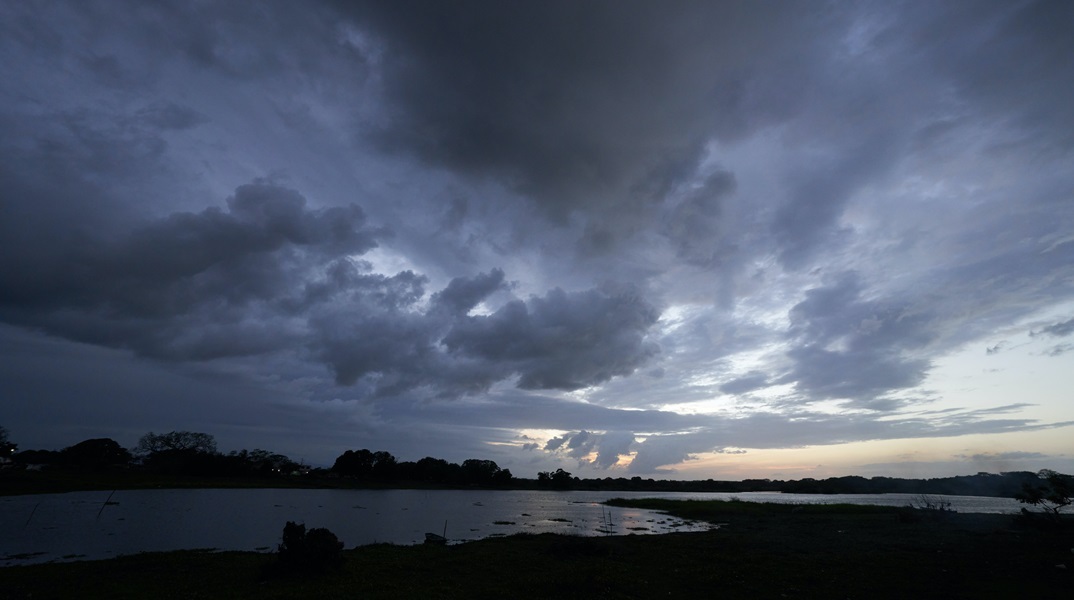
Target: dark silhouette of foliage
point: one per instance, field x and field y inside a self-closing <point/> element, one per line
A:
<point x="484" y="472"/>
<point x="357" y="463"/>
<point x="364" y="465"/>
<point x="261" y="462"/>
<point x="7" y="449"/>
<point x="97" y="453"/>
<point x="154" y="443"/>
<point x="303" y="552"/>
<point x="559" y="480"/>
<point x="182" y="453"/>
<point x="1052" y="492"/>
<point x="37" y="457"/>
<point x="432" y="470"/>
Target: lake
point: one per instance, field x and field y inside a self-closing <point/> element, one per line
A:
<point x="81" y="526"/>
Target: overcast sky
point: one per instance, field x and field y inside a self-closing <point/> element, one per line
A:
<point x="668" y="239"/>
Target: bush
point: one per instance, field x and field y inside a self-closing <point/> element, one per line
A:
<point x="924" y="507"/>
<point x="1053" y="492"/>
<point x="310" y="551"/>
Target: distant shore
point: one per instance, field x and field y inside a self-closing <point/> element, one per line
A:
<point x="760" y="551"/>
<point x="59" y="480"/>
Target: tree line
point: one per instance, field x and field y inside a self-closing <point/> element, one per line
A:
<point x="380" y="466"/>
<point x="195" y="453"/>
<point x="172" y="453"/>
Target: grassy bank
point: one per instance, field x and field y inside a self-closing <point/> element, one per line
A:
<point x="761" y="551"/>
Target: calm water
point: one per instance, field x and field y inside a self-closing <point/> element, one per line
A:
<point x="79" y="525"/>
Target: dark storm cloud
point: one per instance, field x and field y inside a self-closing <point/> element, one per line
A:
<point x="730" y="197"/>
<point x="559" y="341"/>
<point x="849" y="347"/>
<point x="462" y="295"/>
<point x="820" y="193"/>
<point x="1016" y="64"/>
<point x="600" y="106"/>
<point x="191" y="285"/>
<point x="269" y="274"/>
<point x="562" y="340"/>
<point x="693" y="224"/>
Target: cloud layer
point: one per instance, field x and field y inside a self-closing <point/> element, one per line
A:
<point x="608" y="235"/>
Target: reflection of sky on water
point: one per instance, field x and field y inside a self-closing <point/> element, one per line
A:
<point x="42" y="528"/>
<point x="51" y="527"/>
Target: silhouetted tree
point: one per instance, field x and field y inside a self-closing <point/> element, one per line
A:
<point x="95" y="454"/>
<point x="384" y="465"/>
<point x="184" y="453"/>
<point x="152" y="443"/>
<point x="559" y="480"/>
<point x="363" y="464"/>
<point x="477" y="471"/>
<point x="436" y="470"/>
<point x="7" y="449"/>
<point x="262" y="462"/>
<point x="37" y="457"/>
<point x="1052" y="493"/>
<point x="355" y="463"/>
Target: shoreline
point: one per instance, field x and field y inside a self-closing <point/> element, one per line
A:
<point x="760" y="551"/>
<point x="58" y="481"/>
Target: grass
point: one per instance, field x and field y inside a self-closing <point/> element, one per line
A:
<point x="761" y="551"/>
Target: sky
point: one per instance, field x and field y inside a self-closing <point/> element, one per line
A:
<point x="663" y="239"/>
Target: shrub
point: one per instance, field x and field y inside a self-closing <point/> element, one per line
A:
<point x="1052" y="493"/>
<point x="310" y="551"/>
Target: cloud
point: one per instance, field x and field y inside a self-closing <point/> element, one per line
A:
<point x="608" y="446"/>
<point x="1059" y="349"/>
<point x="1060" y="329"/>
<point x="569" y="211"/>
<point x="190" y="285"/>
<point x="846" y="347"/>
<point x="270" y="275"/>
<point x="694" y="224"/>
<point x="754" y="380"/>
<point x="462" y="295"/>
<point x="170" y="116"/>
<point x="593" y="111"/>
<point x="563" y="340"/>
<point x="995" y="456"/>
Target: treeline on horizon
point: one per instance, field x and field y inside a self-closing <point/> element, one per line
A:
<point x="184" y="453"/>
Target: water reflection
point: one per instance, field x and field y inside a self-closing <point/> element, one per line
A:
<point x="80" y="525"/>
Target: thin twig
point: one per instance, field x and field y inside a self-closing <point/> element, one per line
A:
<point x="104" y="505"/>
<point x="31" y="515"/>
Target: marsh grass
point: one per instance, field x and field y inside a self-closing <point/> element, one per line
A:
<point x="761" y="551"/>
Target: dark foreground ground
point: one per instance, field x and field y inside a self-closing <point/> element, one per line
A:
<point x="761" y="551"/>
